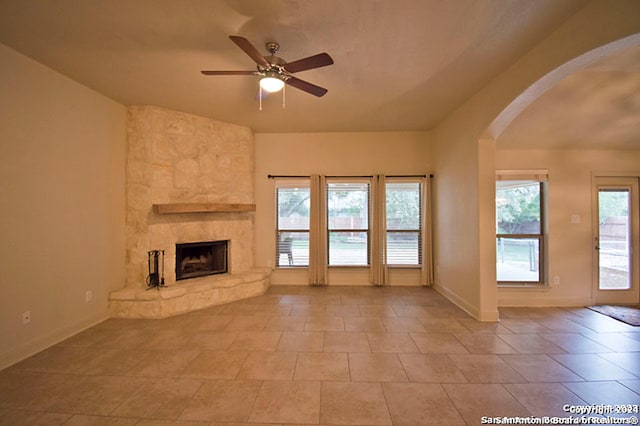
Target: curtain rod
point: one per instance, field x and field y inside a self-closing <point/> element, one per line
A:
<point x="349" y="176"/>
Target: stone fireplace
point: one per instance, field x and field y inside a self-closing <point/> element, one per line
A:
<point x="178" y="167"/>
<point x="201" y="259"/>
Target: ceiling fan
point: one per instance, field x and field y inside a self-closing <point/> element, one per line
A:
<point x="275" y="72"/>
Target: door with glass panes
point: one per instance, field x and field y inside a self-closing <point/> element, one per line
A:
<point x="615" y="241"/>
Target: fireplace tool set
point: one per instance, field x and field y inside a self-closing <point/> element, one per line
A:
<point x="155" y="279"/>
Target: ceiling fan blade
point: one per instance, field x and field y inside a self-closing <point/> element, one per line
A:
<point x="315" y="61"/>
<point x="248" y="48"/>
<point x="228" y="72"/>
<point x="306" y="86"/>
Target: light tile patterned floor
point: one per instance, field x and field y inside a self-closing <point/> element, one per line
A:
<point x="330" y="356"/>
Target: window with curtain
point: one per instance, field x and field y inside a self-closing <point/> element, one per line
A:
<point x="520" y="237"/>
<point x="348" y="223"/>
<point x="404" y="223"/>
<point x="292" y="223"/>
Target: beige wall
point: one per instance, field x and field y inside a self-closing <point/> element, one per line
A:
<point x="456" y="258"/>
<point x="569" y="193"/>
<point x="62" y="218"/>
<point x="460" y="179"/>
<point x="329" y="154"/>
<point x="487" y="216"/>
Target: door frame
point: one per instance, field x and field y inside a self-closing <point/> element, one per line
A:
<point x="613" y="180"/>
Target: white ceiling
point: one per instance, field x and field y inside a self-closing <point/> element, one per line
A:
<point x="399" y="65"/>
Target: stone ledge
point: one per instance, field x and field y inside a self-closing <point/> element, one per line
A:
<point x="197" y="293"/>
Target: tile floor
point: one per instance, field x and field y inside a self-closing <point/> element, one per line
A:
<point x="330" y="356"/>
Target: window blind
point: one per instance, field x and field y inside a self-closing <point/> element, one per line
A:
<point x="404" y="223"/>
<point x="539" y="175"/>
<point x="293" y="204"/>
<point x="348" y="223"/>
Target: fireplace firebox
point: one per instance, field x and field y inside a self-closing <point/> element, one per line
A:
<point x="201" y="258"/>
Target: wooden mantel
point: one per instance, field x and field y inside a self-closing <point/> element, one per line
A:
<point x="172" y="208"/>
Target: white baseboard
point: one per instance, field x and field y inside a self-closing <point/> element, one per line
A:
<point x="16" y="354"/>
<point x="474" y="311"/>
<point x="546" y="302"/>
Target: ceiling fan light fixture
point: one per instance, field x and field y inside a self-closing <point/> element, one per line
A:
<point x="271" y="82"/>
<point x="275" y="73"/>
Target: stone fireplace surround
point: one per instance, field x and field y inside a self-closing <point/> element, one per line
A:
<point x="189" y="164"/>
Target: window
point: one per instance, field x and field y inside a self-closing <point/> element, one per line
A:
<point x="339" y="222"/>
<point x="292" y="229"/>
<point x="404" y="218"/>
<point x="348" y="223"/>
<point x="520" y="236"/>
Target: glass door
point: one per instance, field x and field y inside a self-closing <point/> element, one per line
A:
<point x="616" y="240"/>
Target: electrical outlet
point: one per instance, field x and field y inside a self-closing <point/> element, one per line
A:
<point x="88" y="296"/>
<point x="556" y="280"/>
<point x="26" y="317"/>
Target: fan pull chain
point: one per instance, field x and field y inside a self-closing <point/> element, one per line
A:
<point x="283" y="95"/>
<point x="260" y="95"/>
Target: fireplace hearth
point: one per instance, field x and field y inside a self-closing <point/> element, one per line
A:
<point x="201" y="259"/>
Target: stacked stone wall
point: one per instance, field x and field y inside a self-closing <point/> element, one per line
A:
<point x="173" y="157"/>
